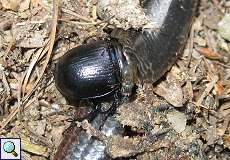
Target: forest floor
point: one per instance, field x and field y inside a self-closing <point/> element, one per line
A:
<point x="34" y="34"/>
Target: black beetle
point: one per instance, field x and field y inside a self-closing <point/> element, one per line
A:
<point x="90" y="71"/>
<point x="104" y="68"/>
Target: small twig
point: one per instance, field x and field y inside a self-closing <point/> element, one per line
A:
<point x="216" y="4"/>
<point x="191" y="44"/>
<point x="10" y="44"/>
<point x="86" y="23"/>
<point x="209" y="87"/>
<point x="52" y="39"/>
<point x="25" y="98"/>
<point x="44" y="50"/>
<point x="5" y="83"/>
<point x="158" y="145"/>
<point x="78" y="23"/>
<point x="30" y="22"/>
<point x="13" y="113"/>
<point x="29" y="70"/>
<point x="78" y="16"/>
<point x="223" y="65"/>
<point x="19" y="98"/>
<point x="31" y="66"/>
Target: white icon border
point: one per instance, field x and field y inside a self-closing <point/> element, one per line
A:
<point x="2" y="140"/>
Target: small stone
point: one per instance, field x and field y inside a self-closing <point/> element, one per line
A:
<point x="124" y="14"/>
<point x="223" y="27"/>
<point x="178" y="120"/>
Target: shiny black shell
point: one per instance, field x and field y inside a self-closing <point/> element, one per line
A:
<point x="89" y="71"/>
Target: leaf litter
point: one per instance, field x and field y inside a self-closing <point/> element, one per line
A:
<point x="193" y="124"/>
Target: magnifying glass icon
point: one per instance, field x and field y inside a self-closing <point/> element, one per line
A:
<point x="9" y="147"/>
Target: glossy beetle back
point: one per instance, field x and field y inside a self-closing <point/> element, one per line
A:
<point x="89" y="71"/>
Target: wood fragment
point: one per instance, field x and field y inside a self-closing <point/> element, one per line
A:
<point x="208" y="89"/>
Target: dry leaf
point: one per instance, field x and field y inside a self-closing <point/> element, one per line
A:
<point x="171" y="91"/>
<point x="219" y="88"/>
<point x="10" y="4"/>
<point x="207" y="52"/>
